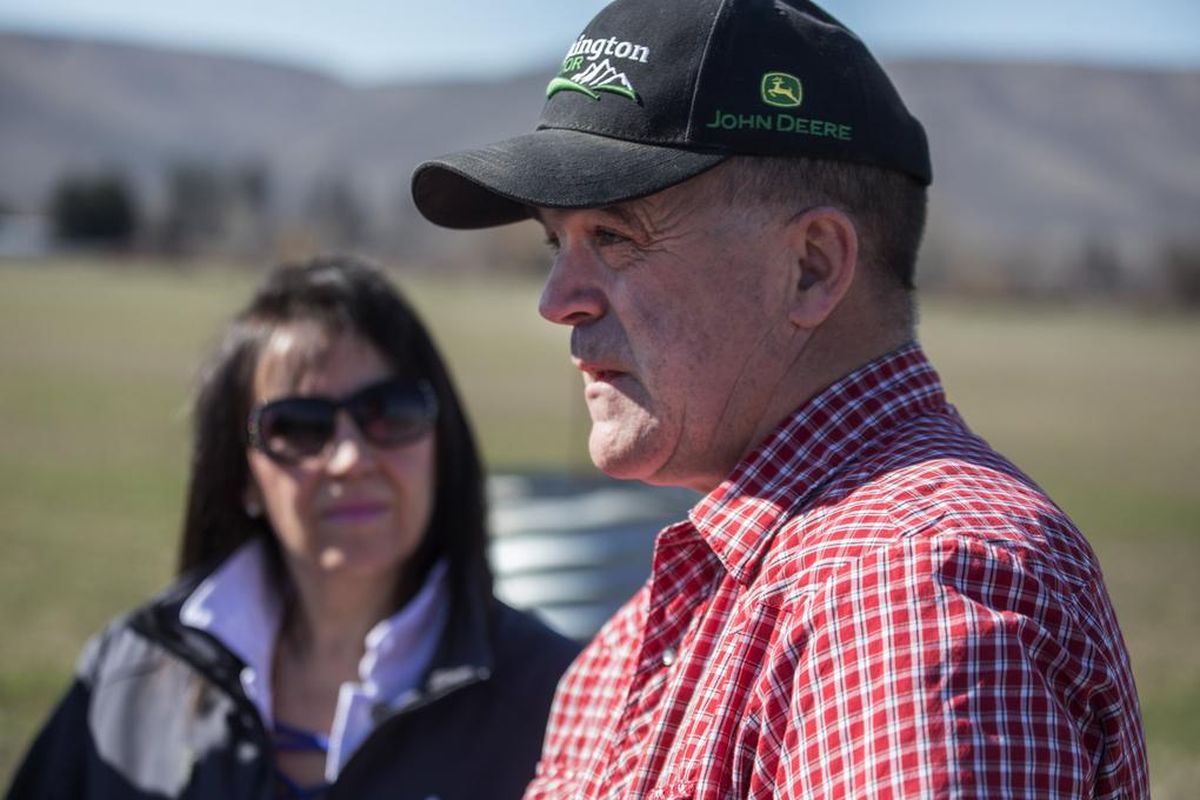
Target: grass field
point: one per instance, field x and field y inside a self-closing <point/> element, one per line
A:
<point x="96" y="365"/>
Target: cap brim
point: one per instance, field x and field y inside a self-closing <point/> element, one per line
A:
<point x="550" y="168"/>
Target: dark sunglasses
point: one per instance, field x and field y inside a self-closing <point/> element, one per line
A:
<point x="390" y="413"/>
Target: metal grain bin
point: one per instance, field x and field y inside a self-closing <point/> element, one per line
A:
<point x="574" y="549"/>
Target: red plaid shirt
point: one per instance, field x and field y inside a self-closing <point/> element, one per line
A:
<point x="873" y="604"/>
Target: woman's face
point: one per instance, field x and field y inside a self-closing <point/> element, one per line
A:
<point x="356" y="510"/>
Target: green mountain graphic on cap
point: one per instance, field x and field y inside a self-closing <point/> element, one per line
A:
<point x="599" y="77"/>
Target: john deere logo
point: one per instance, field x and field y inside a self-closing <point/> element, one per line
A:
<point x="595" y="78"/>
<point x="782" y="90"/>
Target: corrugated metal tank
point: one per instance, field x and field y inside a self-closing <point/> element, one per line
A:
<point x="574" y="549"/>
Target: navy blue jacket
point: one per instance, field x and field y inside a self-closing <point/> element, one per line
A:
<point x="157" y="711"/>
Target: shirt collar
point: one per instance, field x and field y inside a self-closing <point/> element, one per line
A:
<point x="400" y="648"/>
<point x="739" y="517"/>
<point x="239" y="606"/>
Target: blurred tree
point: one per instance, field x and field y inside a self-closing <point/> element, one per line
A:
<point x="247" y="219"/>
<point x="252" y="183"/>
<point x="94" y="209"/>
<point x="1100" y="271"/>
<point x="335" y="212"/>
<point x="1181" y="263"/>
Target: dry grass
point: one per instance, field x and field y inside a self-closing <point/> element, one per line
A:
<point x="1097" y="405"/>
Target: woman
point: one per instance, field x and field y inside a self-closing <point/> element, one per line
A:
<point x="333" y="631"/>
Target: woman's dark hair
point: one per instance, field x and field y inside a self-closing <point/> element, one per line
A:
<point x="339" y="295"/>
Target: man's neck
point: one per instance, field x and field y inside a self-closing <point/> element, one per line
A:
<point x="845" y="343"/>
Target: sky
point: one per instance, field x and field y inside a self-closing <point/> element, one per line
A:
<point x="370" y="41"/>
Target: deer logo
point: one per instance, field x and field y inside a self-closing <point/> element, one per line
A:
<point x="782" y="90"/>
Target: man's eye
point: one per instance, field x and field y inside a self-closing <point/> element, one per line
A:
<point x="604" y="237"/>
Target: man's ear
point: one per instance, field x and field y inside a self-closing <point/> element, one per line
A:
<point x="824" y="249"/>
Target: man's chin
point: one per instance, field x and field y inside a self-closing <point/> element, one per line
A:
<point x="647" y="460"/>
<point x="621" y="459"/>
<point x="620" y="468"/>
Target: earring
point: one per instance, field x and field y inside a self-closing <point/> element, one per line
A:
<point x="252" y="508"/>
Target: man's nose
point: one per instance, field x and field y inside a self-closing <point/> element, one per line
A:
<point x="573" y="294"/>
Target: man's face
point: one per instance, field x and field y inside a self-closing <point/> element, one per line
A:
<point x="678" y="309"/>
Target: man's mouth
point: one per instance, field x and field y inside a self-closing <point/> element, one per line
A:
<point x="598" y="372"/>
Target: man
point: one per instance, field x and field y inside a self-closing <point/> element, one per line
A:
<point x="868" y="601"/>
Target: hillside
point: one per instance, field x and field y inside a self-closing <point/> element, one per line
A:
<point x="1057" y="157"/>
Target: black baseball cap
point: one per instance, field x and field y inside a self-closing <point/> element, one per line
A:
<point x="654" y="92"/>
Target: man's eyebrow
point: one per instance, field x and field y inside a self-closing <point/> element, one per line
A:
<point x="623" y="212"/>
<point x="634" y="215"/>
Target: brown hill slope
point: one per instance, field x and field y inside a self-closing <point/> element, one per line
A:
<point x="1040" y="154"/>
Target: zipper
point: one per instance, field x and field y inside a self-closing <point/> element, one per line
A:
<point x="393" y="718"/>
<point x="247" y="712"/>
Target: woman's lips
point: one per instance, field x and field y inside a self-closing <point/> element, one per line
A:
<point x="354" y="512"/>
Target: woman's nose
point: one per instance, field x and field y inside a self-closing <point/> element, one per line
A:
<point x="349" y="450"/>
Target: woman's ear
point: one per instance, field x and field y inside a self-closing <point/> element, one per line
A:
<point x="824" y="245"/>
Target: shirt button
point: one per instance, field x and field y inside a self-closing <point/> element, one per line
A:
<point x="668" y="656"/>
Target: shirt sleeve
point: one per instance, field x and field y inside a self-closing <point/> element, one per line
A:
<point x="936" y="667"/>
